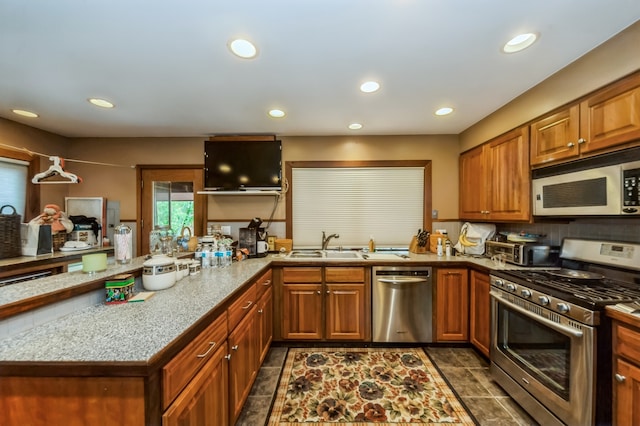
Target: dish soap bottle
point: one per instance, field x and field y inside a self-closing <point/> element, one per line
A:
<point x="439" y="247"/>
<point x="372" y="244"/>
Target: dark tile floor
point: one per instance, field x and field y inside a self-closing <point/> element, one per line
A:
<point x="467" y="372"/>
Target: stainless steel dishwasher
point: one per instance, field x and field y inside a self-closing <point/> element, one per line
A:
<point x="402" y="304"/>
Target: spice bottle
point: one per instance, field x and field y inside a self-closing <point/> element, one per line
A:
<point x="372" y="245"/>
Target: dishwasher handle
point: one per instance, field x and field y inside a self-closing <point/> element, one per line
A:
<point x="402" y="280"/>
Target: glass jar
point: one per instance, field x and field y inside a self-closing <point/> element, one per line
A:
<point x="123" y="244"/>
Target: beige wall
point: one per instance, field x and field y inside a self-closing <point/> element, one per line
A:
<point x="19" y="136"/>
<point x="608" y="62"/>
<point x="118" y="183"/>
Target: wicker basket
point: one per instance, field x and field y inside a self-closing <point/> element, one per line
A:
<point x="58" y="240"/>
<point x="10" y="240"/>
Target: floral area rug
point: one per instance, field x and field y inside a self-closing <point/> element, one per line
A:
<point x="360" y="386"/>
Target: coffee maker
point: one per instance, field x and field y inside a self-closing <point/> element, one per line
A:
<point x="253" y="238"/>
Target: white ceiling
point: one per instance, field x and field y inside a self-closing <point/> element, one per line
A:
<point x="166" y="66"/>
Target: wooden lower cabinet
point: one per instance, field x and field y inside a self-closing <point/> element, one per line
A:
<point x="265" y="324"/>
<point x="345" y="312"/>
<point x="325" y="303"/>
<point x="480" y="311"/>
<point x="452" y="305"/>
<point x="243" y="362"/>
<point x="205" y="401"/>
<point x="626" y="370"/>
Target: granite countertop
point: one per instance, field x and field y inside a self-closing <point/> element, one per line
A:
<point x="130" y="332"/>
<point x="136" y="332"/>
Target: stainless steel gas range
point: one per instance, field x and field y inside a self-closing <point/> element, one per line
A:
<point x="550" y="337"/>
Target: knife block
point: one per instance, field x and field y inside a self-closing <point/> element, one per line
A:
<point x="414" y="248"/>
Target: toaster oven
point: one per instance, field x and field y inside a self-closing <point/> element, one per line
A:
<point x="524" y="254"/>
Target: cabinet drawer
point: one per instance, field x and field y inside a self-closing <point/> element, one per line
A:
<point x="264" y="283"/>
<point x="344" y="275"/>
<point x="627" y="342"/>
<point x="302" y="275"/>
<point x="179" y="371"/>
<point x="242" y="306"/>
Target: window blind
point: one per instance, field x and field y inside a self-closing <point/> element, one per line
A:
<point x="13" y="184"/>
<point x="384" y="202"/>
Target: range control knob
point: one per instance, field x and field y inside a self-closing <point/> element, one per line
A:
<point x="563" y="308"/>
<point x="499" y="283"/>
<point x="511" y="287"/>
<point x="525" y="293"/>
<point x="544" y="300"/>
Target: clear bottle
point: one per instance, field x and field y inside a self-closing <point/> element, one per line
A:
<point x="123" y="244"/>
<point x="439" y="250"/>
<point x="219" y="256"/>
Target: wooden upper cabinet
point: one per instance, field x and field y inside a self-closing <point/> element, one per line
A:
<point x="556" y="137"/>
<point x="473" y="188"/>
<point x="495" y="182"/>
<point x="609" y="118"/>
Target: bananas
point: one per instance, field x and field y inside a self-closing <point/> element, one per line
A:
<point x="464" y="241"/>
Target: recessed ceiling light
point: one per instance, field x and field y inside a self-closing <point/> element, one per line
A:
<point x="519" y="42"/>
<point x="277" y="113"/>
<point x="102" y="103"/>
<point x="444" y="111"/>
<point x="355" y="126"/>
<point x="25" y="113"/>
<point x="369" y="86"/>
<point x="243" y="48"/>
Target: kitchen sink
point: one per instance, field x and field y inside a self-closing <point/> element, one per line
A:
<point x="305" y="254"/>
<point x="309" y="254"/>
<point x="341" y="255"/>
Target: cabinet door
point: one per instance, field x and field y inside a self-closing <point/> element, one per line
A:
<point x="243" y="363"/>
<point x="302" y="311"/>
<point x="265" y="323"/>
<point x="480" y="311"/>
<point x="627" y="401"/>
<point x="611" y="116"/>
<point x="452" y="305"/>
<point x="205" y="401"/>
<point x="473" y="184"/>
<point x="510" y="176"/>
<point x="345" y="312"/>
<point x="555" y="137"/>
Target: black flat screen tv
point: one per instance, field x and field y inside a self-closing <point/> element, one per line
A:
<point x="242" y="165"/>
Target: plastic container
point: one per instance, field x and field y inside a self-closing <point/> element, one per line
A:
<point x="122" y="244"/>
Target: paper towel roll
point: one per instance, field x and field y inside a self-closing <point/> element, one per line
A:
<point x="96" y="262"/>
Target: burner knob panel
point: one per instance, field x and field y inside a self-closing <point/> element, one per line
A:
<point x="563" y="308"/>
<point x="511" y="287"/>
<point x="525" y="293"/>
<point x="544" y="300"/>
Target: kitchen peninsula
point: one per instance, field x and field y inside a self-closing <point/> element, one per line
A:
<point x="114" y="362"/>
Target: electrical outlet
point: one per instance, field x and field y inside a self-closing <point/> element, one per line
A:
<point x="434" y="214"/>
<point x="226" y="229"/>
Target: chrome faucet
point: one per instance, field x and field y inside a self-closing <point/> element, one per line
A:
<point x="325" y="240"/>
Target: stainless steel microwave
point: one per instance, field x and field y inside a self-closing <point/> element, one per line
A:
<point x="588" y="189"/>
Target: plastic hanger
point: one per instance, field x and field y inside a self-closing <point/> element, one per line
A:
<point x="56" y="169"/>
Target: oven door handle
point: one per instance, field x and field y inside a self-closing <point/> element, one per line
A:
<point x="558" y="327"/>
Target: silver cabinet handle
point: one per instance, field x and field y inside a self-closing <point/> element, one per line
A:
<point x="227" y="357"/>
<point x="318" y="292"/>
<point x="620" y="378"/>
<point x="249" y="303"/>
<point x="571" y="144"/>
<point x="211" y="346"/>
<point x="328" y="292"/>
<point x="235" y="347"/>
<point x="266" y="283"/>
<point x="581" y="140"/>
<point x="260" y="311"/>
